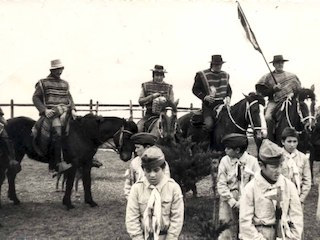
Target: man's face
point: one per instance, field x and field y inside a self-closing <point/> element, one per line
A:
<point x="271" y="171"/>
<point x="154" y="175"/>
<point x="278" y="66"/>
<point x="290" y="144"/>
<point x="57" y="72"/>
<point x="216" y="67"/>
<point x="158" y="77"/>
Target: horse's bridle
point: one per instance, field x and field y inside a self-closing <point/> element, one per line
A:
<point x="285" y="106"/>
<point x="247" y="115"/>
<point x="160" y="128"/>
<point x="120" y="132"/>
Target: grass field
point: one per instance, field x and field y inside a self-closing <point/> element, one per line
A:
<point x="41" y="214"/>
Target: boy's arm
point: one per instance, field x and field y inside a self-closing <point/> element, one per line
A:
<point x="177" y="215"/>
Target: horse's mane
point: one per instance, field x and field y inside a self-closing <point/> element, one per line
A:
<point x="252" y="96"/>
<point x="305" y="93"/>
<point x="171" y="104"/>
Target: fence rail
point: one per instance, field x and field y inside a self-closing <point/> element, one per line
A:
<point x="96" y="108"/>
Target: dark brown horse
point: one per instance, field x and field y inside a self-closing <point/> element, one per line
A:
<point x="234" y="119"/>
<point x="86" y="134"/>
<point x="295" y="113"/>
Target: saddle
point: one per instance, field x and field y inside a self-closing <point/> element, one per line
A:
<point x="197" y="119"/>
<point x="41" y="134"/>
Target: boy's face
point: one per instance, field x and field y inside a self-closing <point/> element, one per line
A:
<point x="232" y="153"/>
<point x="290" y="144"/>
<point x="154" y="175"/>
<point x="139" y="149"/>
<point x="271" y="171"/>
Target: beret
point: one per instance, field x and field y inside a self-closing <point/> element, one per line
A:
<point x="234" y="140"/>
<point x="270" y="153"/>
<point x="144" y="138"/>
<point x="152" y="157"/>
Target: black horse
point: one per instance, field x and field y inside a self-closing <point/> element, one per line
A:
<point x="295" y="113"/>
<point x="234" y="119"/>
<point x="86" y="134"/>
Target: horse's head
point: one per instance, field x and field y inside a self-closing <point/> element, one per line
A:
<point x="253" y="102"/>
<point x="306" y="107"/>
<point x="100" y="129"/>
<point x="121" y="138"/>
<point x="168" y="120"/>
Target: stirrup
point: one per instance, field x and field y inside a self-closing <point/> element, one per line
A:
<point x="63" y="166"/>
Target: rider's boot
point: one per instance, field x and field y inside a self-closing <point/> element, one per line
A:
<point x="60" y="164"/>
<point x="270" y="130"/>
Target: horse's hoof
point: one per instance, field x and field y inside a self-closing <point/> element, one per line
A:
<point x="16" y="202"/>
<point x="70" y="207"/>
<point x="92" y="203"/>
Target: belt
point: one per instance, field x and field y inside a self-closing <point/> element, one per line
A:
<point x="266" y="226"/>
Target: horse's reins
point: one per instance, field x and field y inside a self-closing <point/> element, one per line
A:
<point x="247" y="114"/>
<point x="113" y="145"/>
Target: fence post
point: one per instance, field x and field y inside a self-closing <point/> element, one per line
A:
<point x="11" y="108"/>
<point x="130" y="110"/>
<point x="90" y="106"/>
<point x="191" y="107"/>
<point x="97" y="106"/>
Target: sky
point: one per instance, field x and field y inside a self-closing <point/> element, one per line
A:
<point x="109" y="46"/>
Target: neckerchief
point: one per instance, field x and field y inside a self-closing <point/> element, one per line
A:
<point x="152" y="215"/>
<point x="293" y="169"/>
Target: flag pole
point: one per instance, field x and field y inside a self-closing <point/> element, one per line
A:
<point x="251" y="37"/>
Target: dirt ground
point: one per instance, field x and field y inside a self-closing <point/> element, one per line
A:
<point x="41" y="214"/>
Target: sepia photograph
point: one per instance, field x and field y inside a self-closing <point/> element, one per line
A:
<point x="159" y="119"/>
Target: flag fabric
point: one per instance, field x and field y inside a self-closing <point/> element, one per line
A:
<point x="249" y="33"/>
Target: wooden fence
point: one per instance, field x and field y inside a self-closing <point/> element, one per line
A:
<point x="97" y="108"/>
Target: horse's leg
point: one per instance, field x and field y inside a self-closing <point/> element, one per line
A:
<point x="70" y="174"/>
<point x="11" y="175"/>
<point x="194" y="190"/>
<point x="86" y="180"/>
<point x="2" y="177"/>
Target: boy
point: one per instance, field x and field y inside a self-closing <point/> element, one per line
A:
<point x="235" y="170"/>
<point x="155" y="208"/>
<point x="142" y="141"/>
<point x="270" y="200"/>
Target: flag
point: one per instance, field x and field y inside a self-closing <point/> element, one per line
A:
<point x="247" y="29"/>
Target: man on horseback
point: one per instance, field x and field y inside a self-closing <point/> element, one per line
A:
<point x="213" y="88"/>
<point x="277" y="86"/>
<point x="154" y="93"/>
<point x="55" y="104"/>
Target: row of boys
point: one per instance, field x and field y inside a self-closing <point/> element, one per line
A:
<point x="256" y="195"/>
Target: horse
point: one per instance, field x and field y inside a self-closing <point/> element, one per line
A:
<point x="295" y="113"/>
<point x="234" y="119"/>
<point x="164" y="126"/>
<point x="85" y="135"/>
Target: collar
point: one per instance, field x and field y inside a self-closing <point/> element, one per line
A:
<point x="265" y="185"/>
<point x="159" y="186"/>
<point x="292" y="155"/>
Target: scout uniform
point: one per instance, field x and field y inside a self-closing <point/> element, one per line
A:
<point x="233" y="175"/>
<point x="154" y="209"/>
<point x="270" y="208"/>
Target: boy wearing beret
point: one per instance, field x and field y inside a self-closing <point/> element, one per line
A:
<point x="142" y="141"/>
<point x="155" y="208"/>
<point x="235" y="170"/>
<point x="270" y="205"/>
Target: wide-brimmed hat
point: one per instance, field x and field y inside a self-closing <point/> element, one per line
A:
<point x="235" y="140"/>
<point x="216" y="59"/>
<point x="270" y="153"/>
<point x="278" y="58"/>
<point x="158" y="68"/>
<point x="144" y="138"/>
<point x="55" y="64"/>
<point x="152" y="157"/>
